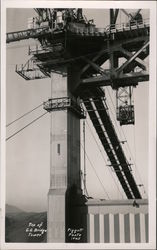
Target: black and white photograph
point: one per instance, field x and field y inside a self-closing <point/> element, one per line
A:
<point x="78" y="124"/>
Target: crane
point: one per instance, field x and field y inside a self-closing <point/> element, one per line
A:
<point x="66" y="37"/>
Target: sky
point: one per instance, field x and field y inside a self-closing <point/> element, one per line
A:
<point x="28" y="152"/>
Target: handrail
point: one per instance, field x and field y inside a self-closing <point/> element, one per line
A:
<point x="113" y="28"/>
<point x="127" y="26"/>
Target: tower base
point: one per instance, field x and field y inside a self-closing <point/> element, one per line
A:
<point x="56" y="216"/>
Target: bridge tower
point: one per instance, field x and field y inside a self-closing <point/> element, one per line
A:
<point x="65" y="193"/>
<point x="72" y="53"/>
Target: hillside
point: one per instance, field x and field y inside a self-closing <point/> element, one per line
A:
<point x="25" y="227"/>
<point x="12" y="209"/>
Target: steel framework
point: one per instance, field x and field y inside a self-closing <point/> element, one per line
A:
<point x="112" y="56"/>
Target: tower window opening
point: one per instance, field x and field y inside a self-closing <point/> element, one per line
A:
<point x="58" y="149"/>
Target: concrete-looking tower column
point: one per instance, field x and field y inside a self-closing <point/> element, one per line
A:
<point x="64" y="164"/>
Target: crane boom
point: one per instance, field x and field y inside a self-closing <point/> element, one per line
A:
<point x="26" y="34"/>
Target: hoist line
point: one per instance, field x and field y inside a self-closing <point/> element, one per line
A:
<point x="115" y="121"/>
<point x="129" y="150"/>
<point x="121" y="132"/>
<point x="91" y="164"/>
<point x="114" y="111"/>
<point x="134" y="132"/>
<point x="128" y="147"/>
<point x="17" y="119"/>
<point x="26" y="126"/>
<point x="103" y="157"/>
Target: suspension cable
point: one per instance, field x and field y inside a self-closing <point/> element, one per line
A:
<point x="17" y="119"/>
<point x="84" y="141"/>
<point x="103" y="158"/>
<point x="91" y="164"/>
<point x="25" y="126"/>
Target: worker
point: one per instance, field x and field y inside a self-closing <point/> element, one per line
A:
<point x="79" y="15"/>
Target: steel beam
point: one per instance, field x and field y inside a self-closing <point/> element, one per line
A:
<point x="95" y="58"/>
<point x="139" y="62"/>
<point x="95" y="66"/>
<point x="122" y="80"/>
<point x="133" y="57"/>
<point x="113" y="16"/>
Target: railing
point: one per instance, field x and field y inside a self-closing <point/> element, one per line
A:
<point x="30" y="71"/>
<point x="110" y="28"/>
<point x="113" y="28"/>
<point x="84" y="30"/>
<point x="55" y="104"/>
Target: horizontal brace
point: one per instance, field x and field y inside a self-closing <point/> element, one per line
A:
<point x="123" y="171"/>
<point x="123" y="80"/>
<point x="112" y="165"/>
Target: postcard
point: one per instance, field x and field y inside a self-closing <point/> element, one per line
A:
<point x="78" y="124"/>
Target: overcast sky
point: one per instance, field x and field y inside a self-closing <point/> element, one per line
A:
<point x="28" y="156"/>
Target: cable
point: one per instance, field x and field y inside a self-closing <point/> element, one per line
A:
<point x="115" y="121"/>
<point x="104" y="158"/>
<point x="25" y="126"/>
<point x="129" y="150"/>
<point x="95" y="172"/>
<point x="114" y="111"/>
<point x="84" y="141"/>
<point x="23" y="115"/>
<point x="121" y="133"/>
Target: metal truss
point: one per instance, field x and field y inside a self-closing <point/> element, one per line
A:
<point x="132" y="70"/>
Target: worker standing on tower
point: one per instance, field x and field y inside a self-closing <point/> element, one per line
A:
<point x="79" y="15"/>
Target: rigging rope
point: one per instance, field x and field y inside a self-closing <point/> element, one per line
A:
<point x="25" y="126"/>
<point x="17" y="119"/>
